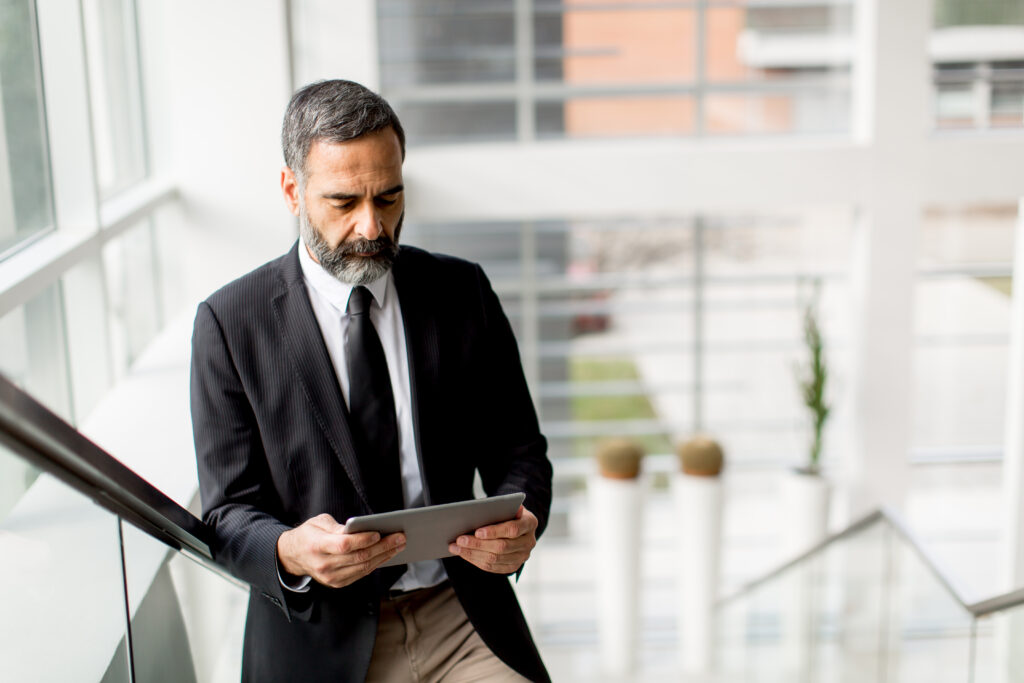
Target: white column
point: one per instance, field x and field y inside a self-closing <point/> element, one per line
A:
<point x="892" y="116"/>
<point x="616" y="510"/>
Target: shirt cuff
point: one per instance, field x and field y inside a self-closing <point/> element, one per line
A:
<point x="299" y="585"/>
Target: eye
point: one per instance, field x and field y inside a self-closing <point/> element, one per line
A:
<point x="342" y="206"/>
<point x="386" y="202"/>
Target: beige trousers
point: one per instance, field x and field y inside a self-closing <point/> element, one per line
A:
<point x="425" y="637"/>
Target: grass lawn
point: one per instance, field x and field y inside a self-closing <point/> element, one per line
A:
<point x="1003" y="285"/>
<point x="611" y="408"/>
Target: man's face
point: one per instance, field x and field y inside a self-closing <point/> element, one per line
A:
<point x="351" y="207"/>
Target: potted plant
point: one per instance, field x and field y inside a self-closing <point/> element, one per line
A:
<point x="813" y="379"/>
<point x="806" y="494"/>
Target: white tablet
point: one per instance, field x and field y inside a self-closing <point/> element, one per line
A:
<point x="429" y="530"/>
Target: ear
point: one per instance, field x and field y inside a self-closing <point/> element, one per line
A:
<point x="290" y="189"/>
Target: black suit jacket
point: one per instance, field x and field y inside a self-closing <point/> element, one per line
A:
<point x="274" y="448"/>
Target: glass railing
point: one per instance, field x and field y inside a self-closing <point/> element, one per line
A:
<point x="102" y="576"/>
<point x="867" y="604"/>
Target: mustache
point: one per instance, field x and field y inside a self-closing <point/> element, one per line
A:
<point x="364" y="246"/>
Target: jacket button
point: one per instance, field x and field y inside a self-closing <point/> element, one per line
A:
<point x="371" y="609"/>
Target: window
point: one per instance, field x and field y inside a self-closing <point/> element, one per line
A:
<point x="26" y="201"/>
<point x="653" y="329"/>
<point x="962" y="321"/>
<point x="115" y="93"/>
<point x="32" y="350"/>
<point x="978" y="51"/>
<point x="502" y="70"/>
<point x="131" y="267"/>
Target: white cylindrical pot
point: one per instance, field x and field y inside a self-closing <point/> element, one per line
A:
<point x="698" y="513"/>
<point x="805" y="507"/>
<point x="616" y="508"/>
<point x="805" y="503"/>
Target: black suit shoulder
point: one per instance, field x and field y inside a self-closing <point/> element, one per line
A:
<point x="255" y="288"/>
<point x="449" y="269"/>
<point x="443" y="278"/>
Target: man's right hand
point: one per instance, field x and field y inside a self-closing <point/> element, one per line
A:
<point x="320" y="548"/>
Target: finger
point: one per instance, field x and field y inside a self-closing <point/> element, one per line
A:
<point x="498" y="546"/>
<point x="363" y="562"/>
<point x="523" y="523"/>
<point x="340" y="570"/>
<point x="368" y="558"/>
<point x="342" y="544"/>
<point x="488" y="561"/>
<point x="387" y="547"/>
<point x="510" y="529"/>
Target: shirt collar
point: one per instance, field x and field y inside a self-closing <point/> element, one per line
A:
<point x="334" y="290"/>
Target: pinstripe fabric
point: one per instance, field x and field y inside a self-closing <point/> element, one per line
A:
<point x="273" y="448"/>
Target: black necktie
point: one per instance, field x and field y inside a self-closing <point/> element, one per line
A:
<point x="372" y="406"/>
<point x="372" y="411"/>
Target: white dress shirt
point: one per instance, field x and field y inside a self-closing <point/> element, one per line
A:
<point x="329" y="298"/>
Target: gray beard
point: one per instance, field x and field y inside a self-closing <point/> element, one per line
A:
<point x="344" y="262"/>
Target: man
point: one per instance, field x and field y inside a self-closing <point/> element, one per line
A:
<point x="351" y="376"/>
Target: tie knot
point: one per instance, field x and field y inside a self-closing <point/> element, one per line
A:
<point x="359" y="301"/>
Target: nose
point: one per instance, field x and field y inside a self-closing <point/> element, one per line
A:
<point x="369" y="223"/>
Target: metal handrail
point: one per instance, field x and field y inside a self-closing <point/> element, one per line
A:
<point x="977" y="609"/>
<point x="37" y="434"/>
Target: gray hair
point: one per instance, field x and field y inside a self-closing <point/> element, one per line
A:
<point x="335" y="111"/>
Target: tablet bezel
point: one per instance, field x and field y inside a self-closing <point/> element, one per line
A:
<point x="429" y="530"/>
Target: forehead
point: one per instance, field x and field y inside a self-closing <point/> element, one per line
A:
<point x="373" y="157"/>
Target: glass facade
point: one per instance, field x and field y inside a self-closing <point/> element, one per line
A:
<point x="115" y="90"/>
<point x="655" y="329"/>
<point x="132" y="269"/>
<point x="26" y="199"/>
<point x="33" y="352"/>
<point x="962" y="327"/>
<point x="978" y="52"/>
<point x="504" y="70"/>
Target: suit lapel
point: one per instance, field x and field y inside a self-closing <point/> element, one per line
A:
<point x="422" y="347"/>
<point x="317" y="379"/>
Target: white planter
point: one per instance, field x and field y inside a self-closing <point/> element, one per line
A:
<point x="698" y="514"/>
<point x="805" y="509"/>
<point x="616" y="509"/>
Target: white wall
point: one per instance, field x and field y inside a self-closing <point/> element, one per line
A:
<point x="217" y="87"/>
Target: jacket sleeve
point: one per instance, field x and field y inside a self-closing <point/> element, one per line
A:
<point x="233" y="476"/>
<point x="517" y="460"/>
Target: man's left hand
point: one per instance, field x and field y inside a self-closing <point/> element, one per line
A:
<point x="500" y="548"/>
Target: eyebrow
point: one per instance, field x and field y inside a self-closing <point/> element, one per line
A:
<point x="344" y="195"/>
